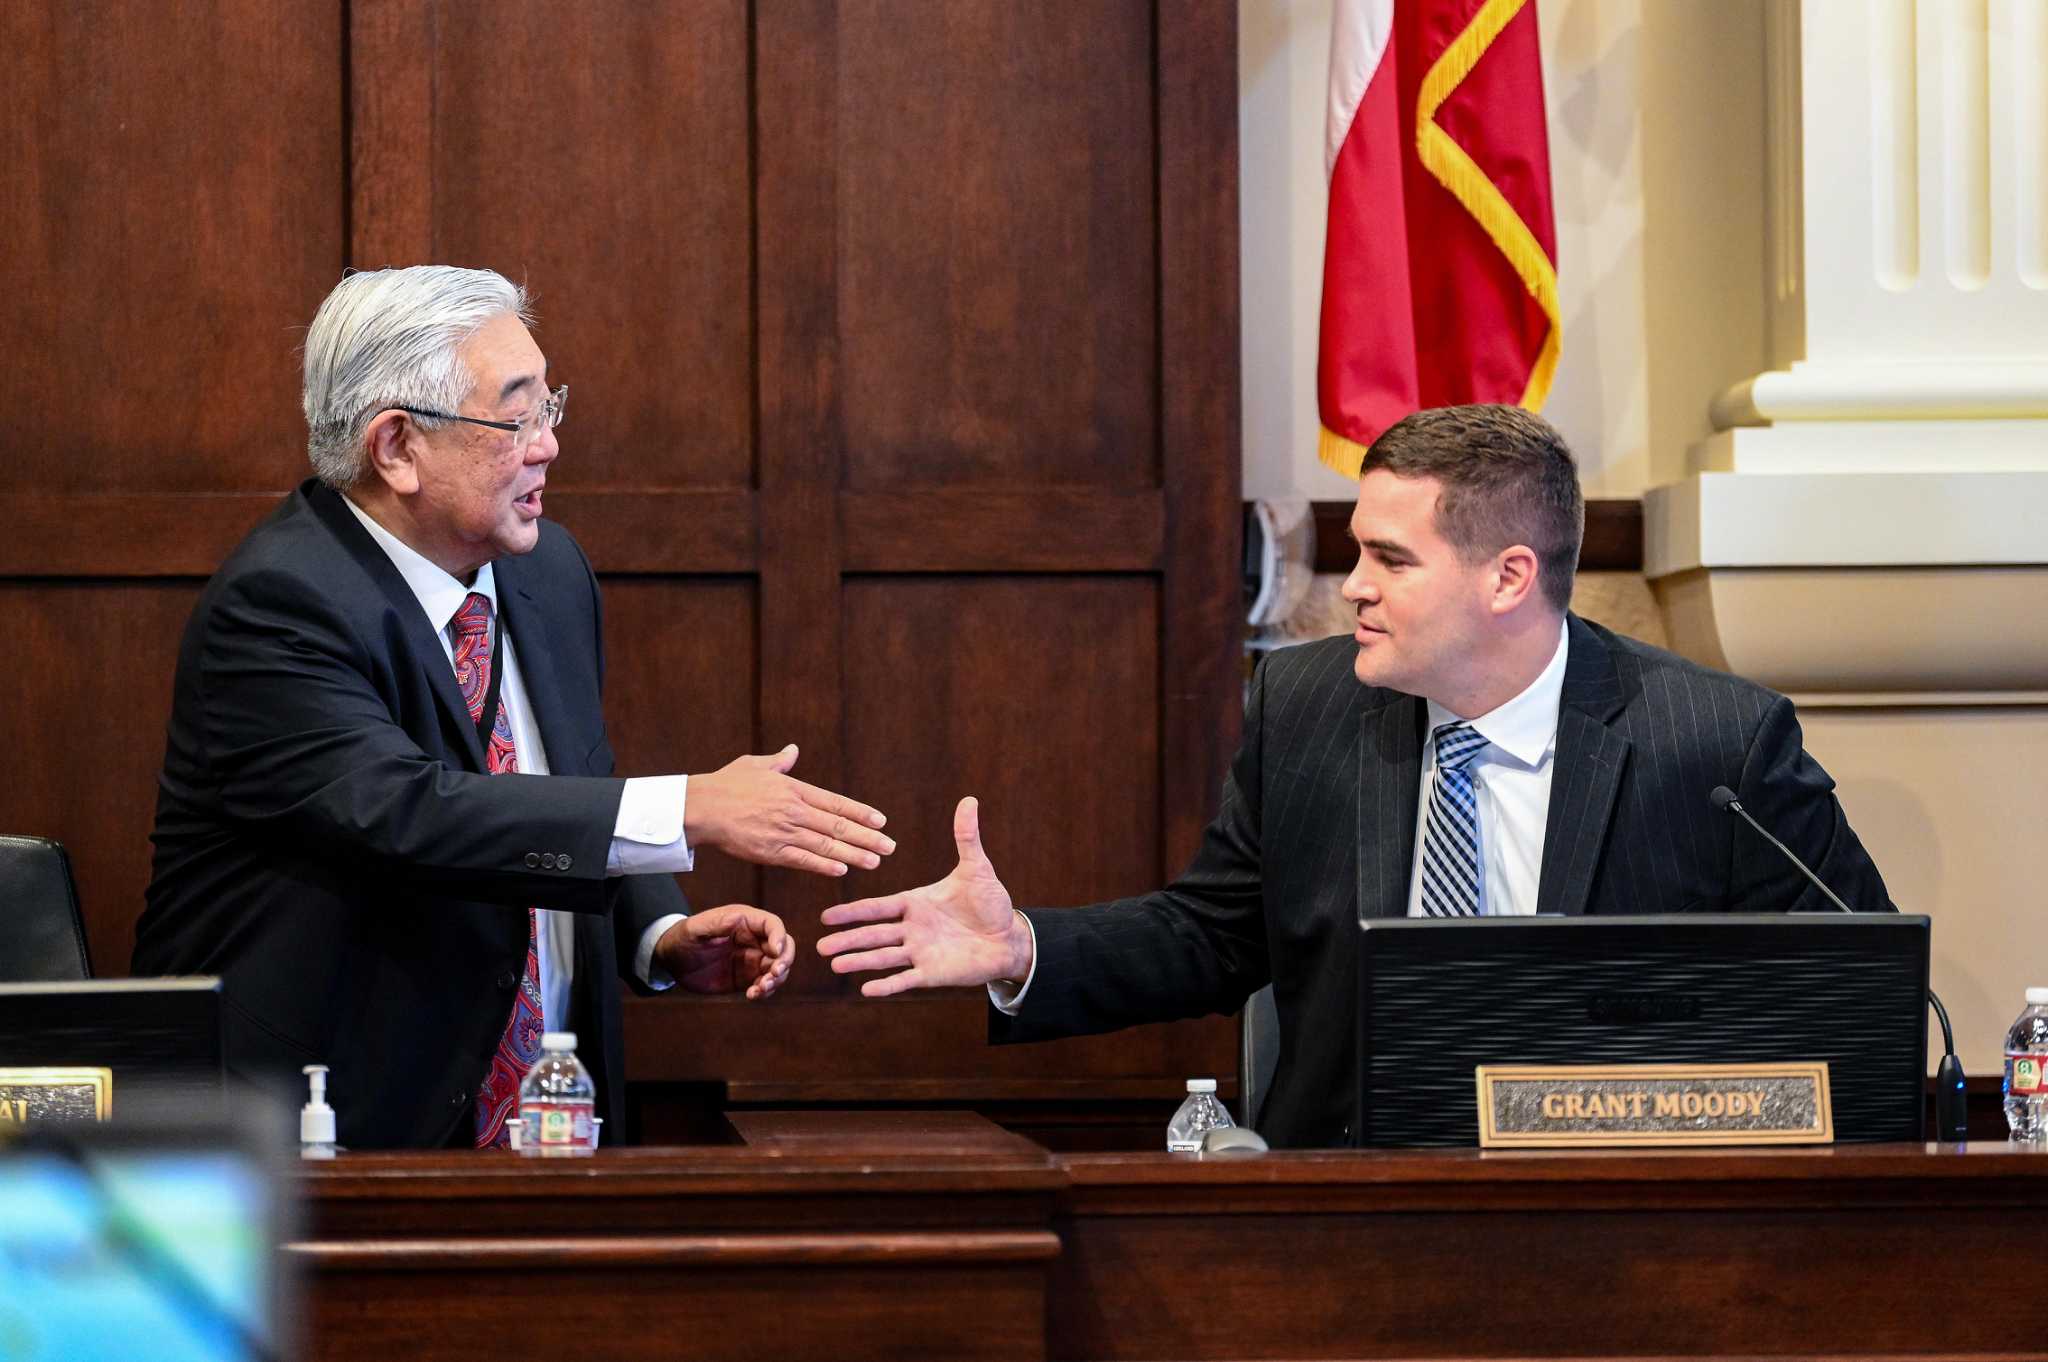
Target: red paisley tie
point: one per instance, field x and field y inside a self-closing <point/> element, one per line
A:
<point x="519" y="1048"/>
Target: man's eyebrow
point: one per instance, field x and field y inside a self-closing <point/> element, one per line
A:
<point x="1386" y="548"/>
<point x="513" y="385"/>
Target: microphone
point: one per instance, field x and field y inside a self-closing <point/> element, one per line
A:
<point x="1951" y="1107"/>
<point x="1725" y="800"/>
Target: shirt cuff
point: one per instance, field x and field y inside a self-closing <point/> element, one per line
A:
<point x="644" y="967"/>
<point x="1007" y="998"/>
<point x="648" y="837"/>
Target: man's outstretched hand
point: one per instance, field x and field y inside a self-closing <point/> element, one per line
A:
<point x="734" y="949"/>
<point x="752" y="808"/>
<point x="956" y="933"/>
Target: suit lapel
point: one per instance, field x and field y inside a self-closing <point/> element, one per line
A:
<point x="1389" y="776"/>
<point x="527" y="626"/>
<point x="1586" y="775"/>
<point x="420" y="637"/>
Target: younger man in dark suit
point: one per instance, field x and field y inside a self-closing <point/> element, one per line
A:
<point x="1473" y="747"/>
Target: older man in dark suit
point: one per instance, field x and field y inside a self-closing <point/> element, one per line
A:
<point x="1472" y="748"/>
<point x="387" y="814"/>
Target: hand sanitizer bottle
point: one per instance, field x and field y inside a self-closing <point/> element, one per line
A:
<point x="316" y="1118"/>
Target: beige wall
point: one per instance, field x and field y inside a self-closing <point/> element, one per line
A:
<point x="1952" y="803"/>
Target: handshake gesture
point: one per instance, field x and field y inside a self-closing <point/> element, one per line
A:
<point x="753" y="809"/>
<point x="958" y="932"/>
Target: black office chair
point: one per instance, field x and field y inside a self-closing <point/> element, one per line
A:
<point x="1258" y="1053"/>
<point x="42" y="936"/>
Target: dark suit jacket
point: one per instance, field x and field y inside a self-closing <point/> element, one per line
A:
<point x="328" y="842"/>
<point x="1317" y="830"/>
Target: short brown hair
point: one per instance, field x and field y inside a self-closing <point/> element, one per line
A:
<point x="1507" y="479"/>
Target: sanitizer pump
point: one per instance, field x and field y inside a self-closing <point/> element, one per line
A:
<point x="316" y="1118"/>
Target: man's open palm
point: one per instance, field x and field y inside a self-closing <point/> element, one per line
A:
<point x="958" y="932"/>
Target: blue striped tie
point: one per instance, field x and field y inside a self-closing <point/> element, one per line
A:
<point x="1450" y="840"/>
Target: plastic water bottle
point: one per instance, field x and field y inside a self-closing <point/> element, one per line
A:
<point x="558" y="1102"/>
<point x="2026" y="1072"/>
<point x="1199" y="1115"/>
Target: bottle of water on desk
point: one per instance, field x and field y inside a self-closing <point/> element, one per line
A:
<point x="2026" y="1072"/>
<point x="1197" y="1116"/>
<point x="557" y="1101"/>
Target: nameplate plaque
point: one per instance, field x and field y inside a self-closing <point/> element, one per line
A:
<point x="1612" y="1105"/>
<point x="39" y="1096"/>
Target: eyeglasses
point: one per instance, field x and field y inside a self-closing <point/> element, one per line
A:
<point x="547" y="415"/>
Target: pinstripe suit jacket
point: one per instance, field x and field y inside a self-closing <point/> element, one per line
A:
<point x="1317" y="830"/>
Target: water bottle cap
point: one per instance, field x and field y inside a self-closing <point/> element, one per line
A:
<point x="2037" y="997"/>
<point x="560" y="1042"/>
<point x="1201" y="1085"/>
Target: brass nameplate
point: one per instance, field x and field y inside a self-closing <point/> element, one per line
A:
<point x="34" y="1096"/>
<point x="1546" y="1106"/>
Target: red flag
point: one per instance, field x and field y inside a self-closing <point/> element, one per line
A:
<point x="1440" y="264"/>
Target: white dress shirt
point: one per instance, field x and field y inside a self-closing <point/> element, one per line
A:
<point x="1511" y="782"/>
<point x="646" y="839"/>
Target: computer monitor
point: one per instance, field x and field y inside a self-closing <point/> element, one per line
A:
<point x="161" y="1038"/>
<point x="1440" y="996"/>
<point x="131" y="1240"/>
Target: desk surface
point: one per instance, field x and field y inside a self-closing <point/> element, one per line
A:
<point x="858" y="1234"/>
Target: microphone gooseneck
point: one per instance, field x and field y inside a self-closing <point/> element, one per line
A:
<point x="1725" y="800"/>
<point x="1951" y="1106"/>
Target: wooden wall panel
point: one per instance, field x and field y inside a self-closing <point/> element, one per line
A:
<point x="598" y="151"/>
<point x="88" y="683"/>
<point x="679" y="694"/>
<point x="903" y="337"/>
<point x="1037" y="695"/>
<point x="1034" y="694"/>
<point x="173" y="213"/>
<point x="998" y="248"/>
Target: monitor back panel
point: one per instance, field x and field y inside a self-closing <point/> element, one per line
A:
<point x="1439" y="998"/>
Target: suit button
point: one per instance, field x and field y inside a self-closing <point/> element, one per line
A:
<point x="532" y="860"/>
<point x="547" y="860"/>
<point x="506" y="979"/>
<point x="562" y="861"/>
<point x="459" y="1098"/>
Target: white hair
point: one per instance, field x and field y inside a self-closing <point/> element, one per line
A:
<point x="390" y="338"/>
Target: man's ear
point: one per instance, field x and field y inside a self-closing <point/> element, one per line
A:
<point x="1515" y="573"/>
<point x="389" y="444"/>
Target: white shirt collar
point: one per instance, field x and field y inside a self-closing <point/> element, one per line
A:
<point x="1525" y="728"/>
<point x="440" y="595"/>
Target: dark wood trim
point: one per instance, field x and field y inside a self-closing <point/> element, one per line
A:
<point x="65" y="535"/>
<point x="1052" y="529"/>
<point x="667" y="531"/>
<point x="1614" y="537"/>
<point x="1613" y="542"/>
<point x="713" y="530"/>
<point x="676" y="530"/>
<point x="1201" y="677"/>
<point x="605" y="1253"/>
<point x="390" y="94"/>
<point x="797" y="375"/>
<point x="928" y="1091"/>
<point x="881" y="1224"/>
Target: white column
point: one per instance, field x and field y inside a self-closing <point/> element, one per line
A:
<point x="1897" y="447"/>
